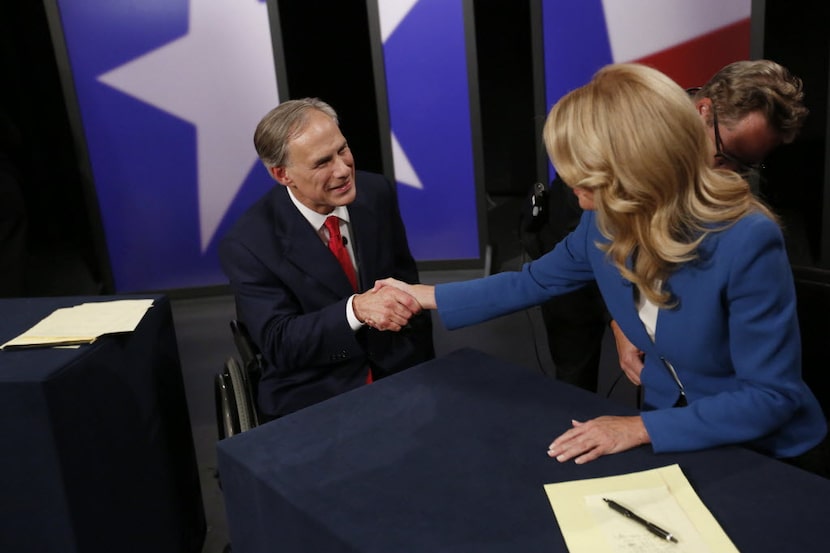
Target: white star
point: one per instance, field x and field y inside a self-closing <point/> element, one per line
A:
<point x="404" y="172"/>
<point x="390" y="14"/>
<point x="219" y="77"/>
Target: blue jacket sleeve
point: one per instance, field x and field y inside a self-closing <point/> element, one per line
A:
<point x="565" y="268"/>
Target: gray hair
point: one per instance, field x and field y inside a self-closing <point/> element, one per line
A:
<point x="281" y="125"/>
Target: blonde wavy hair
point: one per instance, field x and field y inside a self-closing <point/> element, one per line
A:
<point x="632" y="136"/>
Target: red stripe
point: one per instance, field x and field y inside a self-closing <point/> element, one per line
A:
<point x="692" y="63"/>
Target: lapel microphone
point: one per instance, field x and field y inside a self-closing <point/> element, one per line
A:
<point x="345" y="241"/>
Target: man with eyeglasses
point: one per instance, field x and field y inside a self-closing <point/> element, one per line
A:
<point x="749" y="108"/>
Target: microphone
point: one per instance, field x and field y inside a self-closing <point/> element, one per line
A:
<point x="345" y="241"/>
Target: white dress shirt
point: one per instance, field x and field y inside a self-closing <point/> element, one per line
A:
<point x="318" y="221"/>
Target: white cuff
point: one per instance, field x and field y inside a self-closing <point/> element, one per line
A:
<point x="350" y="316"/>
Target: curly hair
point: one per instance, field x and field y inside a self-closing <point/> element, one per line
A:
<point x="743" y="87"/>
<point x="632" y="136"/>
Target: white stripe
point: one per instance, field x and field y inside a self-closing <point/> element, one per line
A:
<point x="638" y="28"/>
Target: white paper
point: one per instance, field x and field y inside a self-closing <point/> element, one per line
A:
<point x="83" y="323"/>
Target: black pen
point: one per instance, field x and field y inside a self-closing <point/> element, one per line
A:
<point x="653" y="528"/>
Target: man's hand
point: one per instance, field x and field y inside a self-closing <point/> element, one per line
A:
<point x="589" y="440"/>
<point x="385" y="308"/>
<point x="424" y="294"/>
<point x="631" y="358"/>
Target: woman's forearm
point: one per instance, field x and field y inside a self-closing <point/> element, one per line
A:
<point x="425" y="294"/>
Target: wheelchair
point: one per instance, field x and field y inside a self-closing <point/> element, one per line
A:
<point x="235" y="388"/>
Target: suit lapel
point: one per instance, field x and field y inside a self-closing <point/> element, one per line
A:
<point x="365" y="232"/>
<point x="619" y="298"/>
<point x="303" y="247"/>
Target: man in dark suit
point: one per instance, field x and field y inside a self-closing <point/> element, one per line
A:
<point x="319" y="335"/>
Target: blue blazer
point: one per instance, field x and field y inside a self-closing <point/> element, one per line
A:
<point x="732" y="338"/>
<point x="291" y="293"/>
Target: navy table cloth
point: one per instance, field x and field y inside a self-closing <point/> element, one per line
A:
<point x="97" y="449"/>
<point x="450" y="456"/>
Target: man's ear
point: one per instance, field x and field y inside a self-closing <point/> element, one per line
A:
<point x="280" y="175"/>
<point x="704" y="108"/>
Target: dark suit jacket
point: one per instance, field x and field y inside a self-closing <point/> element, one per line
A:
<point x="557" y="217"/>
<point x="291" y="293"/>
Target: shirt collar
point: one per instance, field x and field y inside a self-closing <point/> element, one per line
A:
<point x="317" y="220"/>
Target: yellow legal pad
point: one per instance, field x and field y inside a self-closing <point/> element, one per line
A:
<point x="83" y="324"/>
<point x="662" y="496"/>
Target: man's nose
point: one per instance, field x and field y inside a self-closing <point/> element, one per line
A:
<point x="342" y="167"/>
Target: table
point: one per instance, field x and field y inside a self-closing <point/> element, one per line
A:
<point x="97" y="449"/>
<point x="450" y="456"/>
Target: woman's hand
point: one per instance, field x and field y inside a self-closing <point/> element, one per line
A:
<point x="385" y="308"/>
<point x="589" y="440"/>
<point x="424" y="294"/>
<point x="631" y="358"/>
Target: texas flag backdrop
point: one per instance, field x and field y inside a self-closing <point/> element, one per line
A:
<point x="689" y="41"/>
<point x="169" y="91"/>
<point x="428" y="90"/>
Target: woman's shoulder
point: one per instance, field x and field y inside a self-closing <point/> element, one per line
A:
<point x="752" y="233"/>
<point x="757" y="224"/>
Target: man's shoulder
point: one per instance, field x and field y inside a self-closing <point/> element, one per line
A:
<point x="372" y="181"/>
<point x="262" y="213"/>
<point x="374" y="192"/>
<point x="548" y="219"/>
<point x="370" y="175"/>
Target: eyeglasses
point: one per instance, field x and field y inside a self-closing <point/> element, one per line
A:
<point x="740" y="166"/>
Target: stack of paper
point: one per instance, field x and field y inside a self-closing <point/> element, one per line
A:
<point x="82" y="324"/>
<point x="661" y="496"/>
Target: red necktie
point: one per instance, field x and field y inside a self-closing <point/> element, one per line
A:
<point x="338" y="248"/>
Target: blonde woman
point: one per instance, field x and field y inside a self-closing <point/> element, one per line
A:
<point x="691" y="266"/>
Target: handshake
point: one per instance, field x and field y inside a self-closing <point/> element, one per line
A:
<point x="390" y="304"/>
